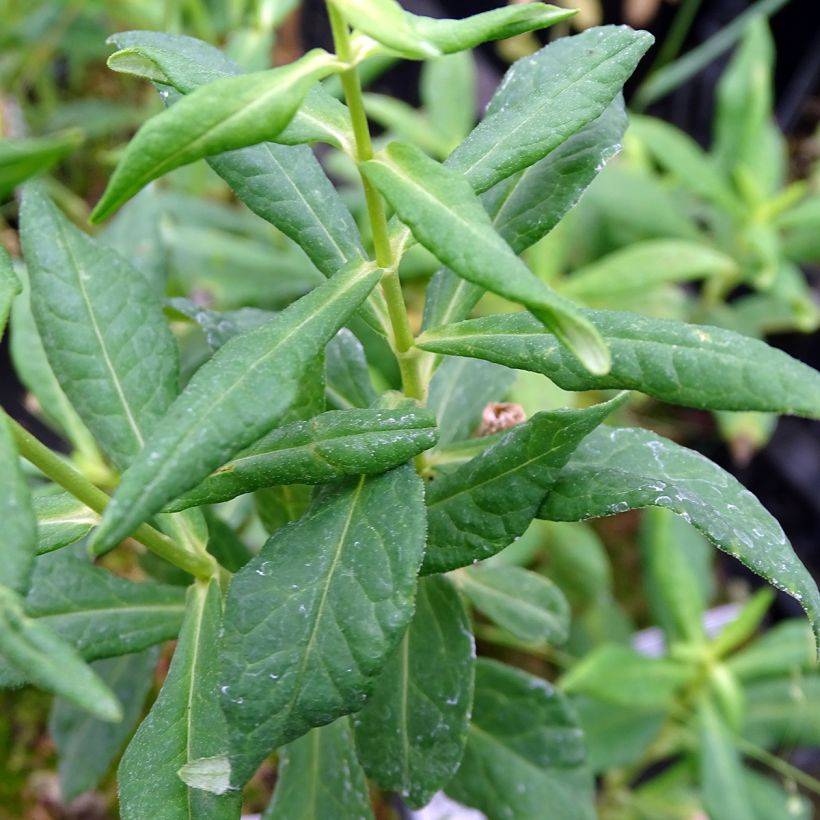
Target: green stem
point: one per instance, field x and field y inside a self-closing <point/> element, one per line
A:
<point x="199" y="564"/>
<point x="396" y="309"/>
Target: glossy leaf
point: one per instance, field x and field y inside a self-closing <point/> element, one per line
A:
<point x="311" y="620"/>
<point x="61" y="520"/>
<point x="525" y="750"/>
<point x="482" y="506"/>
<point x="231" y="401"/>
<point x="347" y="380"/>
<point x="327" y="448"/>
<point x="40" y="655"/>
<point x="527" y="605"/>
<point x="19" y="524"/>
<point x="410" y="735"/>
<point x="319" y="777"/>
<point x="102" y="329"/>
<point x="616" y="470"/>
<point x="692" y="365"/>
<point x="86" y="746"/>
<point x="184" y="725"/>
<point x="545" y="99"/>
<point x="446" y="217"/>
<point x="226" y="114"/>
<point x="460" y="390"/>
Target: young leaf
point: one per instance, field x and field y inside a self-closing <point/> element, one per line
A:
<point x="617" y="470"/>
<point x="347" y="380"/>
<point x="448" y="93"/>
<point x="61" y="520"/>
<point x="231" y="401"/>
<point x="311" y="620"/>
<point x="327" y="448"/>
<point x="319" y="777"/>
<point x="19" y="523"/>
<point x="459" y="392"/>
<point x="43" y="657"/>
<point x="226" y="114"/>
<point x="692" y="365"/>
<point x="446" y="217"/>
<point x="410" y="735"/>
<point x="525" y="750"/>
<point x="184" y="726"/>
<point x="527" y="605"/>
<point x="9" y="287"/>
<point x="102" y="329"/>
<point x="482" y="506"/>
<point x="86" y="746"/>
<point x="545" y="99"/>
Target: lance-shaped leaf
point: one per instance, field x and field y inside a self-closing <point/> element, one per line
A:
<point x="86" y="746"/>
<point x="692" y="365"/>
<point x="311" y="620"/>
<point x="410" y="736"/>
<point x="319" y="777"/>
<point x="526" y="604"/>
<point x="460" y="390"/>
<point x="347" y="379"/>
<point x="283" y="184"/>
<point x="61" y="520"/>
<point x="617" y="470"/>
<point x="232" y="400"/>
<point x="327" y="448"/>
<point x="482" y="506"/>
<point x="448" y="219"/>
<point x="527" y="206"/>
<point x="19" y="525"/>
<point x="40" y="655"/>
<point x="9" y="287"/>
<point x="525" y="750"/>
<point x="102" y="329"/>
<point x="545" y="99"/>
<point x="185" y="726"/>
<point x="226" y="114"/>
<point x="24" y="157"/>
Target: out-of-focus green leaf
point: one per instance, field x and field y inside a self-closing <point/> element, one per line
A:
<point x="27" y="156"/>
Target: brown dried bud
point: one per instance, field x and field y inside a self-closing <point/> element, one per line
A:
<point x="498" y="416"/>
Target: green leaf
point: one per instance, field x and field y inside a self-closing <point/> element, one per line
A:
<point x="527" y="605"/>
<point x="61" y="520"/>
<point x="19" y="523"/>
<point x="311" y="620"/>
<point x="319" y="777"/>
<point x="327" y="448"/>
<point x="723" y="788"/>
<point x="482" y="506"/>
<point x="545" y="99"/>
<point x="226" y="114"/>
<point x="9" y="287"/>
<point x="283" y="184"/>
<point x="231" y="401"/>
<point x="692" y="365"/>
<point x="528" y="205"/>
<point x="387" y="23"/>
<point x="460" y="390"/>
<point x="450" y="36"/>
<point x="410" y="735"/>
<point x="100" y="614"/>
<point x="619" y="675"/>
<point x="25" y="157"/>
<point x="783" y="711"/>
<point x="447" y="218"/>
<point x="86" y="746"/>
<point x="347" y="380"/>
<point x="448" y="93"/>
<point x="617" y="470"/>
<point x="39" y="654"/>
<point x="787" y="647"/>
<point x="525" y="751"/>
<point x="102" y="329"/>
<point x="185" y="725"/>
<point x="644" y="265"/>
